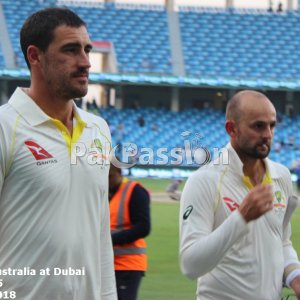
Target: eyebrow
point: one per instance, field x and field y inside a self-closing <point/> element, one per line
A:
<point x="273" y="122"/>
<point x="76" y="45"/>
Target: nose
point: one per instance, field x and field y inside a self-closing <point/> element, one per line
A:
<point x="268" y="132"/>
<point x="84" y="60"/>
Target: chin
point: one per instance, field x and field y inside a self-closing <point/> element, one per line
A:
<point x="262" y="155"/>
<point x="79" y="93"/>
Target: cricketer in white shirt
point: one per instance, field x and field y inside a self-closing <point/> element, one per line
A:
<point x="232" y="259"/>
<point x="55" y="238"/>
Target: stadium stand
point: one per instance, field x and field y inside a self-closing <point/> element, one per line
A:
<point x="199" y="128"/>
<point x="242" y="44"/>
<point x="2" y="64"/>
<point x="15" y="13"/>
<point x="140" y="36"/>
<point x="216" y="42"/>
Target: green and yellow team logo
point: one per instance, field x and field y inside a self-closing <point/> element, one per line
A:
<point x="279" y="200"/>
<point x="98" y="151"/>
<point x="97" y="144"/>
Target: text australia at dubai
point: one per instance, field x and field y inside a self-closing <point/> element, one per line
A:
<point x="47" y="271"/>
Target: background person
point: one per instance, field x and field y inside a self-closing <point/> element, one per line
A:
<point x="129" y="206"/>
<point x="231" y="218"/>
<point x="49" y="207"/>
<point x="172" y="189"/>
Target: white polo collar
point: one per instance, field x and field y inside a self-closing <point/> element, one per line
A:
<point x="31" y="112"/>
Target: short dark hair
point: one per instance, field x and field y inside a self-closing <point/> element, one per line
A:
<point x="38" y="29"/>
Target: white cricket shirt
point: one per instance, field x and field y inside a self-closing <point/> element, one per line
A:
<point x="54" y="213"/>
<point x="234" y="260"/>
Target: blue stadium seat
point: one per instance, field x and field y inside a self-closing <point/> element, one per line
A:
<point x="194" y="126"/>
<point x="268" y="41"/>
<point x="2" y="62"/>
<point x="131" y="31"/>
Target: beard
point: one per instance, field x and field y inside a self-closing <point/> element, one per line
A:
<point x="66" y="85"/>
<point x="68" y="90"/>
<point x="257" y="152"/>
<point x="75" y="92"/>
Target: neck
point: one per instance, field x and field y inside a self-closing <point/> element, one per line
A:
<point x="255" y="169"/>
<point x="55" y="107"/>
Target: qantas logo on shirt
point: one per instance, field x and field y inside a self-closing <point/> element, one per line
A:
<point x="232" y="205"/>
<point x="37" y="151"/>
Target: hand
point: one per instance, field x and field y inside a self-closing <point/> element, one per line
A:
<point x="295" y="285"/>
<point x="258" y="201"/>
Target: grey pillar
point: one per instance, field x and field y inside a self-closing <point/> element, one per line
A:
<point x="170" y="5"/>
<point x="175" y="99"/>
<point x="229" y="3"/>
<point x="3" y="91"/>
<point x="290" y="5"/>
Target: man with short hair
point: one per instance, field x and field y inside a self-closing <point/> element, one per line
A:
<point x="232" y="236"/>
<point x="54" y="217"/>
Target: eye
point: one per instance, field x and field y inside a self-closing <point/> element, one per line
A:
<point x="259" y="125"/>
<point x="71" y="49"/>
<point x="88" y="49"/>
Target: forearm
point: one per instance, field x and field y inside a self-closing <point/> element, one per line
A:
<point x="291" y="261"/>
<point x="196" y="250"/>
<point x="127" y="236"/>
<point x="292" y="265"/>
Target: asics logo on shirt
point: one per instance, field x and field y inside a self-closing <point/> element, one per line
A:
<point x="232" y="205"/>
<point x="37" y="151"/>
<point x="187" y="212"/>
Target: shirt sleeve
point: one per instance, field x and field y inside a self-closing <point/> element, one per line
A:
<point x="108" y="284"/>
<point x="201" y="245"/>
<point x="290" y="255"/>
<point x="139" y="210"/>
<point x="1" y="174"/>
<point x="2" y="161"/>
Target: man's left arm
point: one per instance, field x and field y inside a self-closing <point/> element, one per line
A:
<point x="292" y="264"/>
<point x="108" y="285"/>
<point x="291" y="261"/>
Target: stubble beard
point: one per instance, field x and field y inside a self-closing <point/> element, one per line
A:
<point x="69" y="91"/>
<point x="257" y="154"/>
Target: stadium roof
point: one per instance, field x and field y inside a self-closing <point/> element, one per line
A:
<point x="166" y="80"/>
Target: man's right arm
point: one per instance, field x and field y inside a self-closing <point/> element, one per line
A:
<point x="201" y="245"/>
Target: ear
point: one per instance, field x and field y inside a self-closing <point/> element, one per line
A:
<point x="33" y="55"/>
<point x="230" y="128"/>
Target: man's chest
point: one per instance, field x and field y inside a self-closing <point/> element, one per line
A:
<point x="233" y="192"/>
<point x="43" y="156"/>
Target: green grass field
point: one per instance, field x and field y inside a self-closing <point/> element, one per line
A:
<point x="164" y="281"/>
<point x="156" y="185"/>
